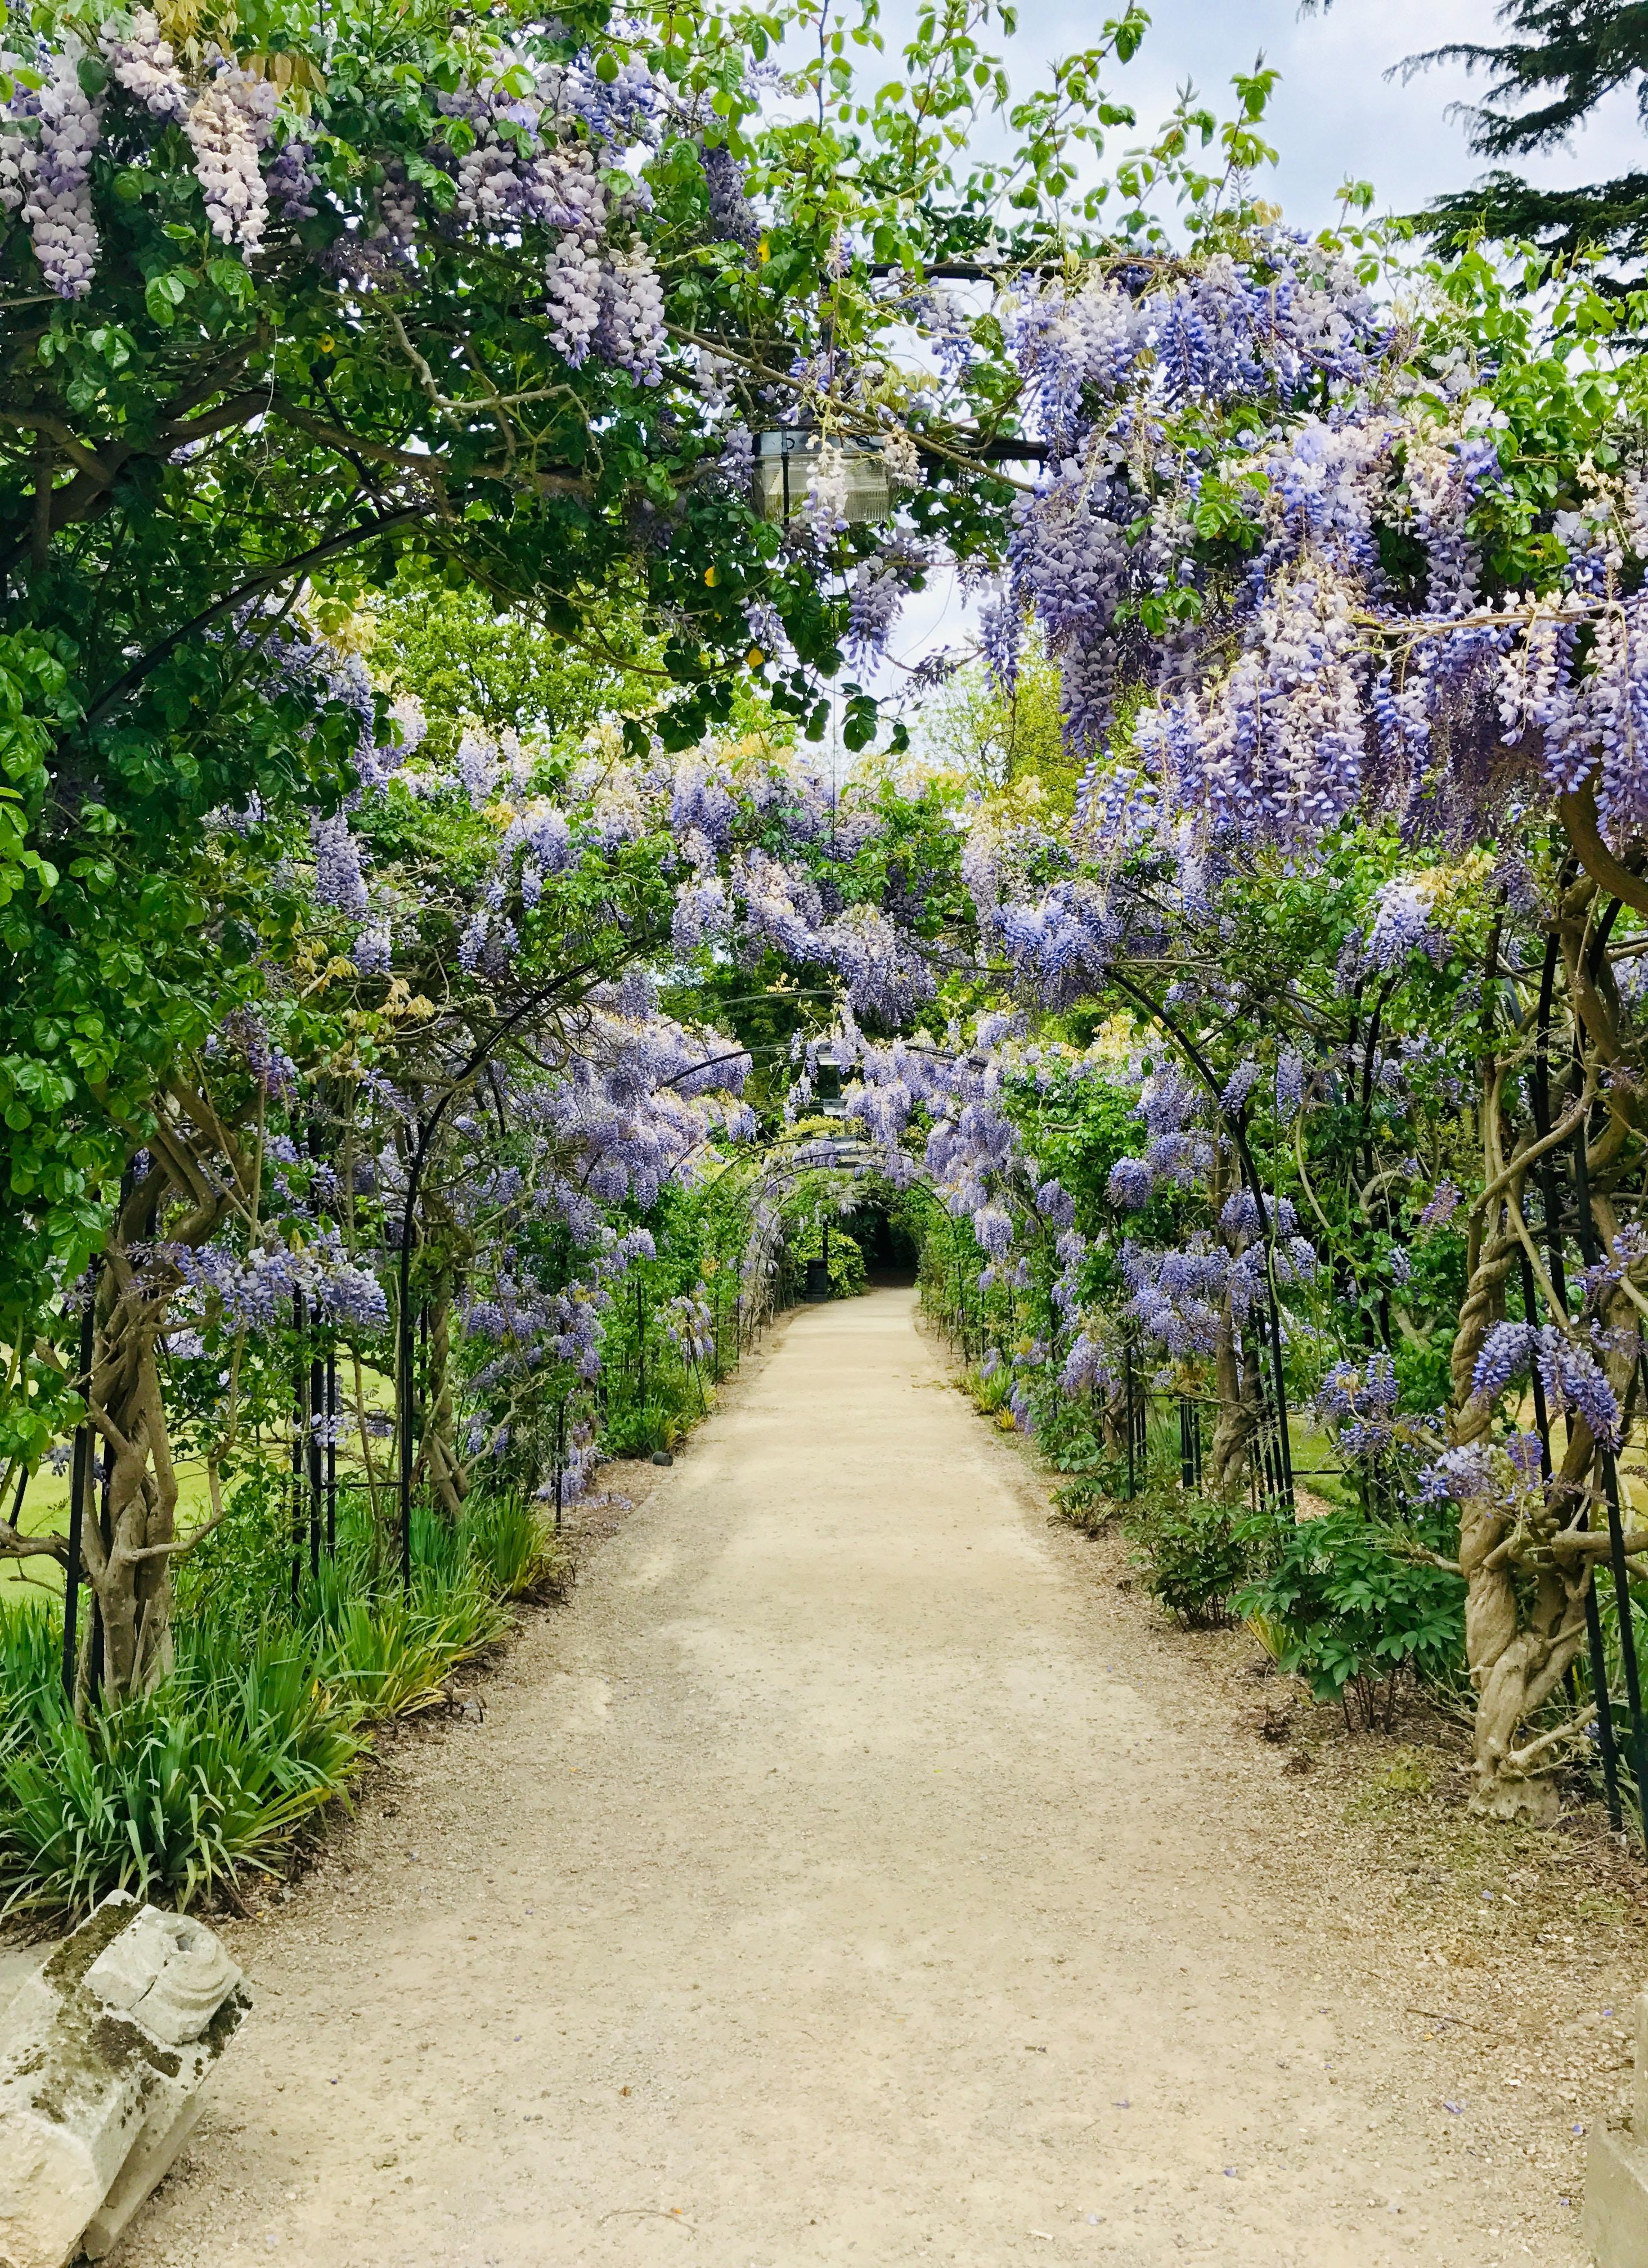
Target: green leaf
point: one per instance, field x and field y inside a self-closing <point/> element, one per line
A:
<point x="162" y="295"/>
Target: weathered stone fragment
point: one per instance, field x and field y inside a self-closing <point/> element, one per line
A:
<point x="103" y="2054"/>
<point x="1616" y="2173"/>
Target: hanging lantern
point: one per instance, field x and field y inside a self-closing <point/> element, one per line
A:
<point x="827" y="1084"/>
<point x="788" y="456"/>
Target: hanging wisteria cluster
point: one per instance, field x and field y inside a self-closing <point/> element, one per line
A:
<point x="1338" y="645"/>
<point x="539" y="134"/>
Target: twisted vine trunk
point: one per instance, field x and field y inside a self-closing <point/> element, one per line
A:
<point x="1510" y="1657"/>
<point x="1237" y="1421"/>
<point x="130" y="1532"/>
<point x="439" y="1463"/>
<point x="1524" y="1591"/>
<point x="1524" y="1609"/>
<point x="130" y="1536"/>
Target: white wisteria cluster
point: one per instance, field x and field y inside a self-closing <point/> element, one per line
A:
<point x="47" y="135"/>
<point x="533" y="158"/>
<point x="224" y="139"/>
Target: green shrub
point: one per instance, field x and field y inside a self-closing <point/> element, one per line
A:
<point x="263" y="1720"/>
<point x="30" y="1668"/>
<point x="174" y="1795"/>
<point x="244" y="1567"/>
<point x="518" y="1554"/>
<point x="1199" y="1551"/>
<point x="990" y="1392"/>
<point x="1065" y="1432"/>
<point x="1355" y="1610"/>
<point x="637" y="1429"/>
<point x="1087" y="1503"/>
<point x="389" y="1652"/>
<point x="387" y="1656"/>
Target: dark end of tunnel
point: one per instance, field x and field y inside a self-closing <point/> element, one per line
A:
<point x="887" y="1247"/>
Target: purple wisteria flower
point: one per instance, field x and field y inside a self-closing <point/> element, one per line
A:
<point x="1444" y="1203"/>
<point x="1131" y="1184"/>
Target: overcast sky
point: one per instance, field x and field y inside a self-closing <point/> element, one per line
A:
<point x="1334" y="111"/>
<point x="1334" y="115"/>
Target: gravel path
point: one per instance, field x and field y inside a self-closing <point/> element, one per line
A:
<point x="829" y="1884"/>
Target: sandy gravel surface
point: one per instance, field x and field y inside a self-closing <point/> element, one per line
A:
<point x="840" y="1879"/>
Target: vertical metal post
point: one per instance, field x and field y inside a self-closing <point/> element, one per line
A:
<point x="561" y="1458"/>
<point x="1606" y="1741"/>
<point x="640" y="1341"/>
<point x="1276" y="1462"/>
<point x="331" y="1451"/>
<point x="1277" y="1453"/>
<point x="316" y="1425"/>
<point x="1607" y="1744"/>
<point x="99" y="1649"/>
<point x="1283" y="1456"/>
<point x="299" y="1444"/>
<point x="1628" y="1636"/>
<point x="1132" y="1469"/>
<point x="79" y="1474"/>
<point x="323" y="1408"/>
<point x="403" y="1426"/>
<point x="1590" y="1245"/>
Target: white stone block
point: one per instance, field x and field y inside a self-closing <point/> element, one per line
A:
<point x="1617" y="2197"/>
<point x="103" y="2054"/>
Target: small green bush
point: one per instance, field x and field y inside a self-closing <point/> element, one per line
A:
<point x="212" y="1773"/>
<point x="1088" y="1503"/>
<point x="1064" y="1435"/>
<point x="989" y="1393"/>
<point x="174" y="1795"/>
<point x="1199" y="1551"/>
<point x="637" y="1429"/>
<point x="389" y="1658"/>
<point x="1356" y="1611"/>
<point x="389" y="1652"/>
<point x="515" y="1549"/>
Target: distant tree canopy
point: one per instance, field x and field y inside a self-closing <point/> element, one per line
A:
<point x="1546" y="80"/>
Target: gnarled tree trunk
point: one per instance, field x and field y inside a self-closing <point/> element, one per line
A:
<point x="129" y="1531"/>
<point x="128" y="1537"/>
<point x="1238" y="1421"/>
<point x="1519" y="1652"/>
<point x="1526" y="1582"/>
<point x="439" y="1464"/>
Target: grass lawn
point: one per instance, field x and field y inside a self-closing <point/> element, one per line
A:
<point x="46" y="1500"/>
